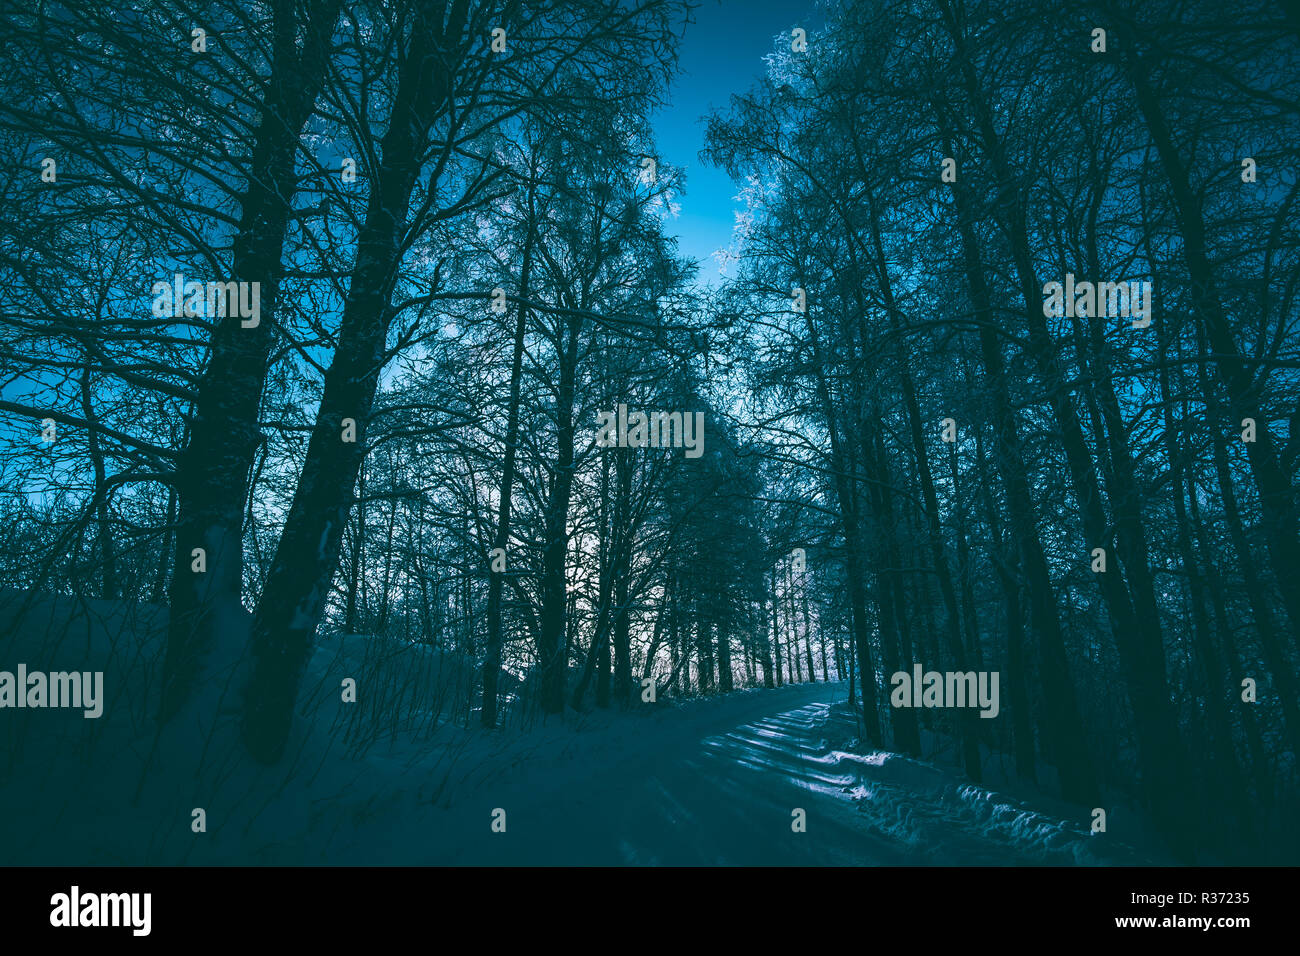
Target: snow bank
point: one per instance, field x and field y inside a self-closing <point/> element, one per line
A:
<point x="941" y="815"/>
<point x="118" y="790"/>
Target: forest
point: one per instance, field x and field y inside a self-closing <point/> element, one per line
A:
<point x="354" y="388"/>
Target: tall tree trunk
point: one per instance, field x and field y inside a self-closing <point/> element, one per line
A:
<point x="1261" y="762"/>
<point x="792" y="621"/>
<point x="212" y="471"/>
<point x="598" y="663"/>
<point x="704" y="646"/>
<point x="622" y="537"/>
<point x="358" y="547"/>
<point x="952" y="632"/>
<point x="891" y="604"/>
<point x="851" y="653"/>
<point x="307" y="556"/>
<point x="725" y="679"/>
<point x="552" y="636"/>
<point x="1074" y="763"/>
<point x="764" y="649"/>
<point x="385" y="581"/>
<point x="776" y="627"/>
<point x="1225" y="777"/>
<point x="1270" y="642"/>
<point x="1005" y="558"/>
<point x="802" y="599"/>
<point x="846" y="493"/>
<point x="1276" y="493"/>
<point x="1161" y="755"/>
<point x="501" y="539"/>
<point x="165" y="560"/>
<point x="109" y="585"/>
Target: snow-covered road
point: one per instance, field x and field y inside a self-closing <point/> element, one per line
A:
<point x="716" y="785"/>
<point x="718" y="782"/>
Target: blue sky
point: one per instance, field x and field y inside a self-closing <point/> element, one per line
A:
<point x="722" y="53"/>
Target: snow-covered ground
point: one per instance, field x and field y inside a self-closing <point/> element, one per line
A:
<point x="393" y="780"/>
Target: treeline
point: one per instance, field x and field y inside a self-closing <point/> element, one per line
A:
<point x="1096" y="502"/>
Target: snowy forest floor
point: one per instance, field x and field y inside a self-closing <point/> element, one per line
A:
<point x="697" y="782"/>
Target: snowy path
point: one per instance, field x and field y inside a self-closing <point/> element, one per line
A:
<point x="718" y="787"/>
